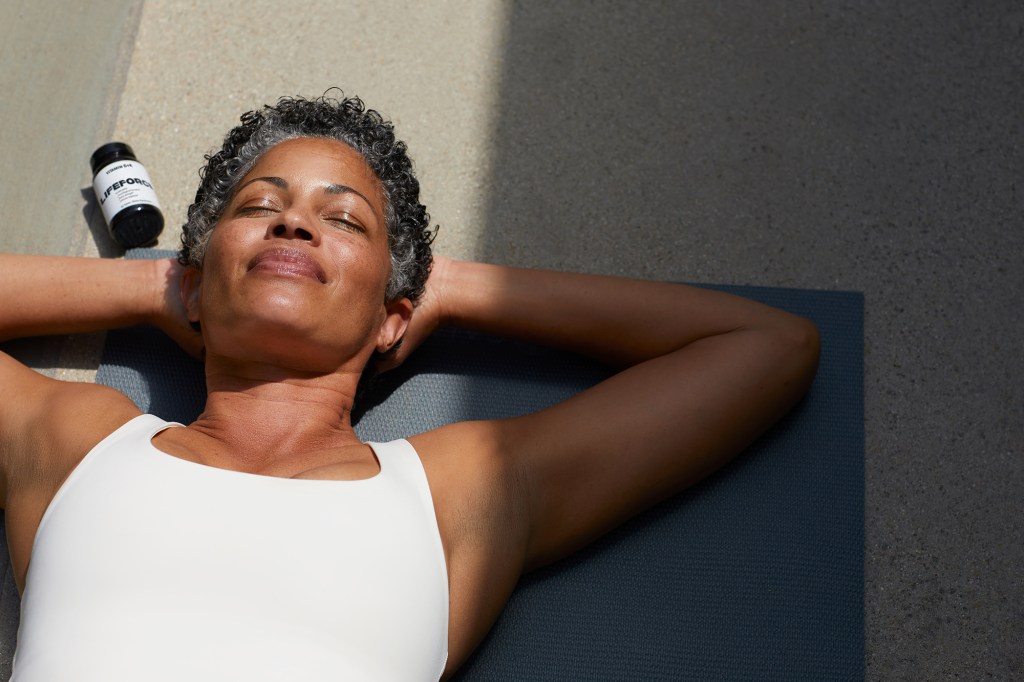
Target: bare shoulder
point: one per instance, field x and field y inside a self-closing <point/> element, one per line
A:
<point x="475" y="485"/>
<point x="483" y="519"/>
<point x="47" y="425"/>
<point x="464" y="457"/>
<point x="46" y="428"/>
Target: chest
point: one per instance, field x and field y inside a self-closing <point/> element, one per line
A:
<point x="192" y="555"/>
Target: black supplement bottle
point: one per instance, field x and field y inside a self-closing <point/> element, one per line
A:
<point x="126" y="196"/>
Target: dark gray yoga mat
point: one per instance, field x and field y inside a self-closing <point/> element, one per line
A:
<point x="755" y="574"/>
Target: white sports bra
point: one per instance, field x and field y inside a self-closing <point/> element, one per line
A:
<point x="150" y="567"/>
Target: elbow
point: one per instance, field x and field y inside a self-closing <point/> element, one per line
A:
<point x="804" y="349"/>
<point x="789" y="351"/>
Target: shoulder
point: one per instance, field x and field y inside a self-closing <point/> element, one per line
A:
<point x="482" y="517"/>
<point x="46" y="428"/>
<point x="470" y="473"/>
<point x="47" y="425"/>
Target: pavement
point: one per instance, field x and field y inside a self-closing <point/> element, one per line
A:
<point x="871" y="146"/>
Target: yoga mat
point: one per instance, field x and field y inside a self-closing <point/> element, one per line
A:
<point x="754" y="574"/>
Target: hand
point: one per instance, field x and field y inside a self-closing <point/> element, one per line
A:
<point x="169" y="312"/>
<point x="429" y="314"/>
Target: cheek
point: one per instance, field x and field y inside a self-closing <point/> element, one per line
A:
<point x="221" y="263"/>
<point x="384" y="268"/>
<point x="383" y="254"/>
<point x="226" y="244"/>
<point x="369" y="263"/>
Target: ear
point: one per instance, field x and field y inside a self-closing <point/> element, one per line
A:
<point x="189" y="288"/>
<point x="396" y="321"/>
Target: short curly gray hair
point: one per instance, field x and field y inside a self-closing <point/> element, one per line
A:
<point x="347" y="120"/>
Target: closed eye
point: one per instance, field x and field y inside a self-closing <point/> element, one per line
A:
<point x="346" y="223"/>
<point x="255" y="211"/>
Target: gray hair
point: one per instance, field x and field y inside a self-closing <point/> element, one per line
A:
<point x="346" y="120"/>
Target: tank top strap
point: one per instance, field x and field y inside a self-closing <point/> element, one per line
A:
<point x="143" y="426"/>
<point x="400" y="463"/>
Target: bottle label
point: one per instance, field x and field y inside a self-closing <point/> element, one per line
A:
<point x="122" y="184"/>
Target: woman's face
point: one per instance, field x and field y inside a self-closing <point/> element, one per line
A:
<point x="297" y="266"/>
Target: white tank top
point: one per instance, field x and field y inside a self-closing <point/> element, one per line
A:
<point x="150" y="567"/>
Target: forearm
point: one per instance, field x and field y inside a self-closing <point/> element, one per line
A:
<point x="616" y="320"/>
<point x="56" y="295"/>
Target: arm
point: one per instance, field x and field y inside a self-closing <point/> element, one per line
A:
<point x="46" y="426"/>
<point x="703" y="374"/>
<point x="53" y="295"/>
<point x="42" y="295"/>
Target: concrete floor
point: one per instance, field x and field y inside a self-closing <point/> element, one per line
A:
<point x="874" y="147"/>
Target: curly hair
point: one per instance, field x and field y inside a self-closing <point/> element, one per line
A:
<point x="346" y="120"/>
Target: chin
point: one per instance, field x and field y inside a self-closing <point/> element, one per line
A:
<point x="278" y="343"/>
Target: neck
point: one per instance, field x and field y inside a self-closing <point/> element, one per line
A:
<point x="265" y="415"/>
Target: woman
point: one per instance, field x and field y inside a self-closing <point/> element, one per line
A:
<point x="264" y="540"/>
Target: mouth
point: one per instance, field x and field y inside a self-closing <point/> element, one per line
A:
<point x="288" y="263"/>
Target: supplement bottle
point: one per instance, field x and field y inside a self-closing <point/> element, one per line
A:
<point x="126" y="196"/>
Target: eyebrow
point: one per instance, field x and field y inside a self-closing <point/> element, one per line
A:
<point x="329" y="189"/>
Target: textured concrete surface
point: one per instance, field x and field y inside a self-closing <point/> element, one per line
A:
<point x="63" y="70"/>
<point x="431" y="68"/>
<point x="874" y="147"/>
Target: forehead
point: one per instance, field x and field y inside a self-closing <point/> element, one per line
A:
<point x="316" y="160"/>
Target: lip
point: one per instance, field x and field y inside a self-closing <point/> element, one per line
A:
<point x="288" y="262"/>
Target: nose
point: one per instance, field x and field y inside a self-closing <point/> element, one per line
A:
<point x="293" y="224"/>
